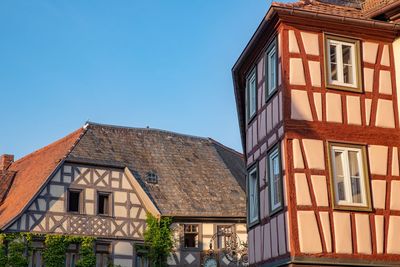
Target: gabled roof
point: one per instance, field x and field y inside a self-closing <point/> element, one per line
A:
<point x="364" y="15"/>
<point x="31" y="173"/>
<point x="198" y="177"/>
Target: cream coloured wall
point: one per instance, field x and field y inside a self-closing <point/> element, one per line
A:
<point x="396" y="54"/>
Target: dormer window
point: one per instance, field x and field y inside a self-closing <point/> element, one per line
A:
<point x="152" y="177"/>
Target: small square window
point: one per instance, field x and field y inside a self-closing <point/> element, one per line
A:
<point x="342" y="60"/>
<point x="74" y="200"/>
<point x="349" y="175"/>
<point x="271" y="70"/>
<point x="191" y="235"/>
<point x="275" y="179"/>
<point x="253" y="197"/>
<point x="103" y="204"/>
<point x="152" y="177"/>
<point x="251" y="94"/>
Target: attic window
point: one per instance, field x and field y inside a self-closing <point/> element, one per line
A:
<point x="152" y="177"/>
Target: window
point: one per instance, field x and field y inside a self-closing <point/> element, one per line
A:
<point x="224" y="235"/>
<point x="152" y="177"/>
<point x="271" y="69"/>
<point x="103" y="203"/>
<point x="36" y="259"/>
<point x="141" y="258"/>
<point x="72" y="255"/>
<point x="251" y="94"/>
<point x="253" y="195"/>
<point x="275" y="179"/>
<point x="342" y="59"/>
<point x="74" y="200"/>
<point x="36" y="255"/>
<point x="191" y="235"/>
<point x="102" y="255"/>
<point x="349" y="175"/>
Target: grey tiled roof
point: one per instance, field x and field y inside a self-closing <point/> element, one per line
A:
<point x="197" y="176"/>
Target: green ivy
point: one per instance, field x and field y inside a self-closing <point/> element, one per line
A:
<point x="86" y="252"/>
<point x="54" y="253"/>
<point x="18" y="252"/>
<point x="16" y="247"/>
<point x="3" y="255"/>
<point x="158" y="239"/>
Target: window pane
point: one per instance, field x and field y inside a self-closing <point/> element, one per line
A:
<point x="253" y="94"/>
<point x="73" y="202"/>
<point x="333" y="62"/>
<point x="224" y="236"/>
<point x="347" y="54"/>
<point x="341" y="194"/>
<point x="356" y="190"/>
<point x="277" y="190"/>
<point x="103" y="204"/>
<point x="253" y="195"/>
<point x="355" y="177"/>
<point x="348" y="74"/>
<point x="353" y="162"/>
<point x="272" y="71"/>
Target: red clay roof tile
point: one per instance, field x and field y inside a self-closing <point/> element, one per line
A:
<point x="323" y="7"/>
<point x="31" y="172"/>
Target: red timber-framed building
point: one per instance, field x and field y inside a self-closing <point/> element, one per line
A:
<point x="318" y="111"/>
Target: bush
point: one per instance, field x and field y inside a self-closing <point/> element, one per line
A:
<point x="17" y="249"/>
<point x="86" y="253"/>
<point x="56" y="247"/>
<point x="158" y="239"/>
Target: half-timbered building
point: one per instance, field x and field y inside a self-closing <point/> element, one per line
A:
<point x="318" y="108"/>
<point x="101" y="180"/>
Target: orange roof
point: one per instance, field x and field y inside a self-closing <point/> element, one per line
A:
<point x="325" y="7"/>
<point x="32" y="171"/>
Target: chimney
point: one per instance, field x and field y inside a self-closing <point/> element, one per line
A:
<point x="5" y="161"/>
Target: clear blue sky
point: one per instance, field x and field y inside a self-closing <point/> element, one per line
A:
<point x="164" y="64"/>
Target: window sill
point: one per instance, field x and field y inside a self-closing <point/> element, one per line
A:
<point x="105" y="215"/>
<point x="75" y="213"/>
<point x="253" y="224"/>
<point x="190" y="249"/>
<point x="275" y="211"/>
<point x="271" y="95"/>
<point x="352" y="208"/>
<point x="251" y="119"/>
<point x="357" y="89"/>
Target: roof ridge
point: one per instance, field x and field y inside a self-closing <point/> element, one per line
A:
<point x="48" y="146"/>
<point x="225" y="147"/>
<point x="95" y="124"/>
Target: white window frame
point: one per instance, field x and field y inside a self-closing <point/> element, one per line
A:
<point x="251" y="100"/>
<point x="345" y="149"/>
<point x="253" y="195"/>
<point x="271" y="69"/>
<point x="339" y="42"/>
<point x="274" y="154"/>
